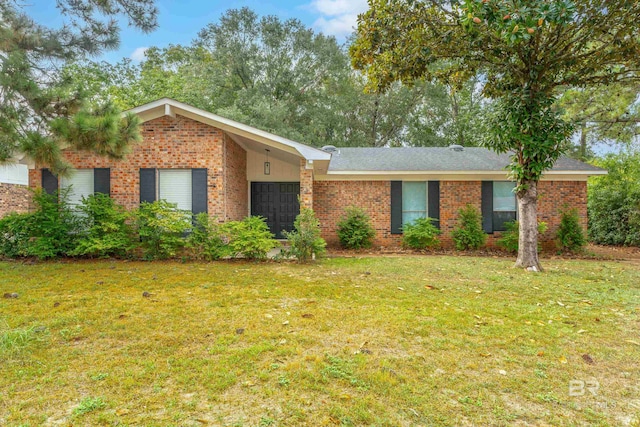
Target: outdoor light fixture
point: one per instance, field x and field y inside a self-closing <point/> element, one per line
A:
<point x="267" y="165"/>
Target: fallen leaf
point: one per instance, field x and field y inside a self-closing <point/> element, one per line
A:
<point x="400" y="289"/>
<point x="502" y="372"/>
<point x="485" y="354"/>
<point x="540" y="353"/>
<point x="560" y="304"/>
<point x="581" y="331"/>
<point x="286" y="322"/>
<point x="268" y="316"/>
<point x="307" y="316"/>
<point x="562" y="359"/>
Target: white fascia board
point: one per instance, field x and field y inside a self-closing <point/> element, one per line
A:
<point x="603" y="172"/>
<point x="231" y="126"/>
<point x="442" y="176"/>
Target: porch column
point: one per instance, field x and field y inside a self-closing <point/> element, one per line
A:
<point x="306" y="185"/>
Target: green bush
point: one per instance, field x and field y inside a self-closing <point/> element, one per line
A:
<point x="420" y="234"/>
<point x="15" y="232"/>
<point x="305" y="240"/>
<point x="510" y="237"/>
<point x="161" y="227"/>
<point x="249" y="238"/>
<point x="468" y="234"/>
<point x="355" y="230"/>
<point x="206" y="240"/>
<point x="49" y="232"/>
<point x="54" y="226"/>
<point x="614" y="201"/>
<point x="570" y="236"/>
<point x="105" y="228"/>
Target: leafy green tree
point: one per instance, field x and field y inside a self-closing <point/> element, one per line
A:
<point x="609" y="114"/>
<point x="41" y="110"/>
<point x="282" y="77"/>
<point x="614" y="201"/>
<point x="526" y="50"/>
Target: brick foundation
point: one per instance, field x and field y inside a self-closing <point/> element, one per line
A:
<point x="332" y="197"/>
<point x="14" y="198"/>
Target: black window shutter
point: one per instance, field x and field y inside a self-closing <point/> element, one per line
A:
<point x="487" y="206"/>
<point x="102" y="181"/>
<point x="147" y="185"/>
<point x="49" y="182"/>
<point x="396" y="207"/>
<point x="434" y="201"/>
<point x="199" y="191"/>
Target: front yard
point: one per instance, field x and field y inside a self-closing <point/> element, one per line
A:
<point x="348" y="341"/>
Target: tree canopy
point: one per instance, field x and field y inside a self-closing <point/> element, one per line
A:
<point x="41" y="111"/>
<point x="527" y="52"/>
<point x="283" y="77"/>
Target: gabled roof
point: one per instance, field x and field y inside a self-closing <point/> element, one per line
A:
<point x="171" y="107"/>
<point x="436" y="159"/>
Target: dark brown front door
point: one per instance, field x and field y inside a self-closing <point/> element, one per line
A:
<point x="277" y="202"/>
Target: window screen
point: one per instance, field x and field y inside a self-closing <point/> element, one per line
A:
<point x="414" y="201"/>
<point x="174" y="186"/>
<point x="504" y="204"/>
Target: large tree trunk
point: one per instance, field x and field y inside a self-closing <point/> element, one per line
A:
<point x="528" y="232"/>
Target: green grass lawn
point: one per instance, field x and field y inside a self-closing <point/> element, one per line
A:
<point x="397" y="341"/>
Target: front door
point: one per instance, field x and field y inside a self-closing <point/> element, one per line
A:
<point x="277" y="202"/>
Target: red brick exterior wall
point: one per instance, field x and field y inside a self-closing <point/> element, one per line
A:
<point x="14" y="198"/>
<point x="332" y="197"/>
<point x="306" y="185"/>
<point x="172" y="143"/>
<point x="237" y="190"/>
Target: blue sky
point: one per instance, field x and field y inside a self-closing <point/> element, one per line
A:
<point x="180" y="21"/>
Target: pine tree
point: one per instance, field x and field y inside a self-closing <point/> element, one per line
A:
<point x="41" y="111"/>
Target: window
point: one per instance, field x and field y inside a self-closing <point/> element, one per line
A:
<point x="187" y="188"/>
<point x="175" y="186"/>
<point x="504" y="204"/>
<point x="79" y="184"/>
<point x="414" y="201"/>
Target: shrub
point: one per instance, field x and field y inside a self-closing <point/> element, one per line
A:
<point x="250" y="238"/>
<point x="614" y="201"/>
<point x="305" y="239"/>
<point x="570" y="236"/>
<point x="105" y="228"/>
<point x="509" y="238"/>
<point x="469" y="234"/>
<point x="15" y="232"/>
<point x="161" y="227"/>
<point x="420" y="234"/>
<point x="49" y="232"/>
<point x="355" y="230"/>
<point x="206" y="240"/>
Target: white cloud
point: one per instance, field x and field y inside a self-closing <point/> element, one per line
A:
<point x="138" y="54"/>
<point x="337" y="17"/>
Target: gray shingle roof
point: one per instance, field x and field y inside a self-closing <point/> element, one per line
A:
<point x="437" y="159"/>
